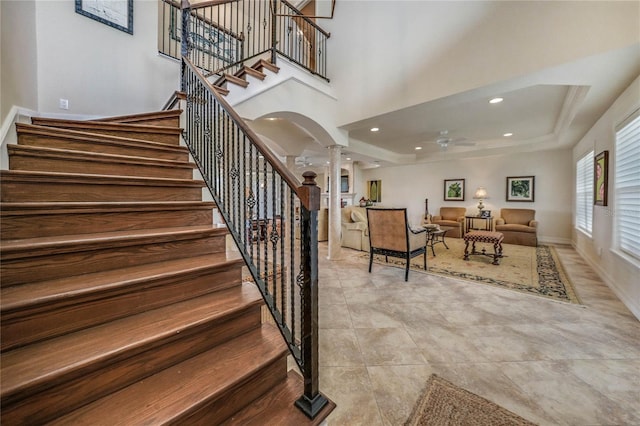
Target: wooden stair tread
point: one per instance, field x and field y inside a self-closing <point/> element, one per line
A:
<point x="25" y="175"/>
<point x="170" y="393"/>
<point x="26" y="208"/>
<point x="35" y="294"/>
<point x="250" y="71"/>
<point x="68" y="356"/>
<point x="221" y="90"/>
<point x="105" y="125"/>
<point x="31" y="247"/>
<point x="278" y="407"/>
<point x="262" y="63"/>
<point x="228" y="78"/>
<point x="34" y="129"/>
<point x="144" y="115"/>
<point x="68" y="154"/>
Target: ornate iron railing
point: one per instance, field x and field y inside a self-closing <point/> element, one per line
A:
<point x="271" y="217"/>
<point x="225" y="35"/>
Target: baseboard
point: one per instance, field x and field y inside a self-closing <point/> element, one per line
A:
<point x="554" y="240"/>
<point x="626" y="299"/>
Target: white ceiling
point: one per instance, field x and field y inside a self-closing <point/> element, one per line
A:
<point x="549" y="109"/>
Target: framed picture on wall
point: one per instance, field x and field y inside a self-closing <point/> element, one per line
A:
<point x="114" y="13"/>
<point x="601" y="182"/>
<point x="374" y="188"/>
<point x="521" y="188"/>
<point x="454" y="190"/>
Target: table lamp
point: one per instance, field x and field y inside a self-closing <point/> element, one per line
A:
<point x="481" y="194"/>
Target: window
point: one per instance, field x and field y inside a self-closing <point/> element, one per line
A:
<point x="627" y="186"/>
<point x="584" y="193"/>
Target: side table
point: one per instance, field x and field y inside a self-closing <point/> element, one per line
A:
<point x="488" y="223"/>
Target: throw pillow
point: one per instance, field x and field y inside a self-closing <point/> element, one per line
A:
<point x="356" y="216"/>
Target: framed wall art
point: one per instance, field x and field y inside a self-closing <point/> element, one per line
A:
<point x="117" y="14"/>
<point x="600" y="178"/>
<point x="521" y="188"/>
<point x="374" y="188"/>
<point x="454" y="190"/>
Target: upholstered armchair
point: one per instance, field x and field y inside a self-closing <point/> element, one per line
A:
<point x="518" y="226"/>
<point x="451" y="218"/>
<point x="390" y="235"/>
<point x="355" y="228"/>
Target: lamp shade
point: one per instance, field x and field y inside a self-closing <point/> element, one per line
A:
<point x="481" y="193"/>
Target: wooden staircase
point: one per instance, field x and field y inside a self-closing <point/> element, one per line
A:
<point x="119" y="302"/>
<point x="239" y="78"/>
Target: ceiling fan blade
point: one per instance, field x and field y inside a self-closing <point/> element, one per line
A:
<point x="465" y="143"/>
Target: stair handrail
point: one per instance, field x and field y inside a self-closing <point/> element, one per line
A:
<point x="248" y="183"/>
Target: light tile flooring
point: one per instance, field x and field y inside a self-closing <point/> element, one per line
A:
<point x="551" y="362"/>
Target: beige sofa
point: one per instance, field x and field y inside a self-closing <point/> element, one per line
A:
<point x="355" y="229"/>
<point x="518" y="226"/>
<point x="451" y="218"/>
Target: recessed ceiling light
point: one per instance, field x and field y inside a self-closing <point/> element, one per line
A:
<point x="496" y="100"/>
<point x="418" y="148"/>
<point x="327" y="162"/>
<point x="506" y="135"/>
<point x="348" y="158"/>
<point x="375" y="129"/>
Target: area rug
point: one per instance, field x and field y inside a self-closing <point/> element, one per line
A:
<point x="532" y="270"/>
<point x="444" y="404"/>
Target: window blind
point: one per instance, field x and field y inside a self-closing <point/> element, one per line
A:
<point x="627" y="185"/>
<point x="584" y="193"/>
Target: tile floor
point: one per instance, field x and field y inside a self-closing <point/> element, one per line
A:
<point x="551" y="362"/>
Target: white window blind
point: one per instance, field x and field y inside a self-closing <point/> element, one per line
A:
<point x="584" y="193"/>
<point x="627" y="185"/>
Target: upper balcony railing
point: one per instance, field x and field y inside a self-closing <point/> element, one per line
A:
<point x="224" y="36"/>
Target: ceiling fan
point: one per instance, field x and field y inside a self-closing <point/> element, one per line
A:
<point x="302" y="162"/>
<point x="444" y="141"/>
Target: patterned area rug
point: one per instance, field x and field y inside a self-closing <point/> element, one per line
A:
<point x="533" y="270"/>
<point x="445" y="404"/>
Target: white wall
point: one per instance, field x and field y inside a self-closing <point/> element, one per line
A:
<point x="18" y="68"/>
<point x="99" y="69"/>
<point x="620" y="272"/>
<point x="551" y="34"/>
<point x="408" y="186"/>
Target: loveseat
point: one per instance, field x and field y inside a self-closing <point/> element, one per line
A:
<point x="451" y="218"/>
<point x="518" y="226"/>
<point x="355" y="228"/>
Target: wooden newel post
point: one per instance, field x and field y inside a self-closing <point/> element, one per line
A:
<point x="312" y="401"/>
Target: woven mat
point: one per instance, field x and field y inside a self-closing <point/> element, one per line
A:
<point x="444" y="404"/>
<point x="532" y="270"/>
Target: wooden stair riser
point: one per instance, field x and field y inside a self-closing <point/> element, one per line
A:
<point x="206" y="382"/>
<point x="20" y="269"/>
<point x="221" y="408"/>
<point x="20" y="190"/>
<point x="105" y="145"/>
<point x="169" y="118"/>
<point x="74" y="162"/>
<point x="31" y="224"/>
<point x="167" y="135"/>
<point x="72" y="313"/>
<point x="75" y="388"/>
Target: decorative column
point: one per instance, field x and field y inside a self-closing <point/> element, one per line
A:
<point x="335" y="249"/>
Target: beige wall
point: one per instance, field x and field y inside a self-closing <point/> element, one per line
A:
<point x="18" y="64"/>
<point x="99" y="69"/>
<point x="408" y="186"/>
<point x="619" y="271"/>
